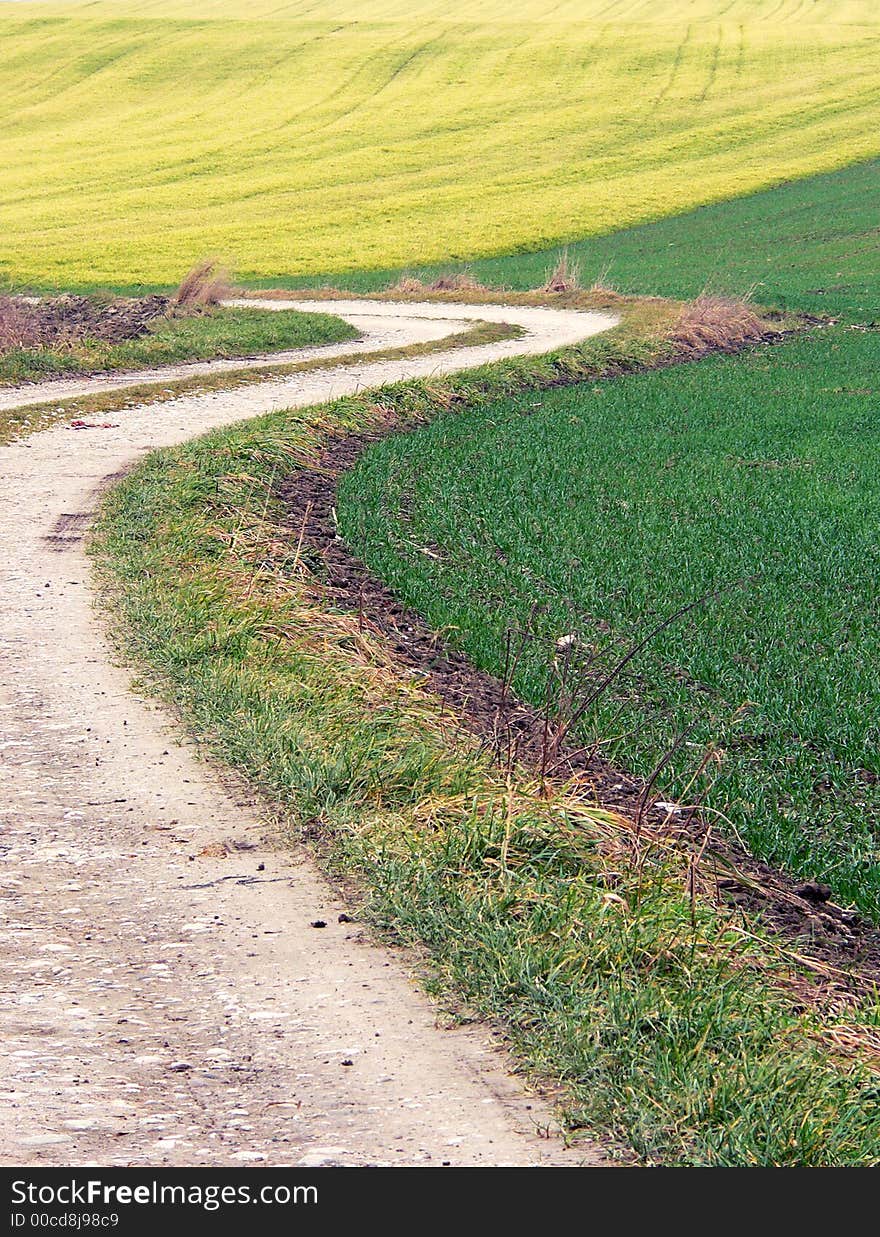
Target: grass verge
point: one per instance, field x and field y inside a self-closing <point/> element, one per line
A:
<point x="672" y="1027"/>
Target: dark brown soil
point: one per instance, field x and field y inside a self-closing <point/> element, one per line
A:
<point x="62" y="321"/>
<point x="813" y="924"/>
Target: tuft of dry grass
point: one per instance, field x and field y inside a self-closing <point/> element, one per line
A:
<point x="459" y="281"/>
<point x="207" y="283"/>
<point x="602" y="285"/>
<point x="19" y="326"/>
<point x="406" y="285"/>
<point x="565" y="276"/>
<point x="713" y="321"/>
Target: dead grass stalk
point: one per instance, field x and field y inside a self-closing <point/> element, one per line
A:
<point x="206" y="284"/>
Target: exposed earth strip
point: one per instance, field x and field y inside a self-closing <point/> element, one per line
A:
<point x="164" y="997"/>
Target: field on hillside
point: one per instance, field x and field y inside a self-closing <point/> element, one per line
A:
<point x="612" y="505"/>
<point x="812" y="245"/>
<point x="137" y="137"/>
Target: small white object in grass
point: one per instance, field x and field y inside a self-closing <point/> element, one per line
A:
<point x="672" y="808"/>
<point x="564" y="643"/>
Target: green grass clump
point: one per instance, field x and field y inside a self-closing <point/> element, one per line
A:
<point x="610" y="505"/>
<point x="660" y="1021"/>
<point x="207" y="336"/>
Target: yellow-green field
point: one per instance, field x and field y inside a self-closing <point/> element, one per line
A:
<point x="330" y="136"/>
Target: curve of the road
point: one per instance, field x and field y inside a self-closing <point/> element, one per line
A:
<point x="164" y="997"/>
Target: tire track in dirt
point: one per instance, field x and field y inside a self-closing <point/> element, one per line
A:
<point x="164" y="997"/>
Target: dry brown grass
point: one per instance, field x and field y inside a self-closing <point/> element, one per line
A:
<point x="406" y="285"/>
<point x="565" y="276"/>
<point x="206" y="284"/>
<point x="601" y="284"/>
<point x="714" y="322"/>
<point x="460" y="281"/>
<point x="19" y="325"/>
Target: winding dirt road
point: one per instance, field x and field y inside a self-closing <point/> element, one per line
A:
<point x="164" y="997"/>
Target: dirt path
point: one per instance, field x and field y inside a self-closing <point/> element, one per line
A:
<point x="381" y="325"/>
<point x="164" y="998"/>
<point x="375" y="334"/>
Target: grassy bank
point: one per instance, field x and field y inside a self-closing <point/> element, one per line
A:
<point x="656" y="1019"/>
<point x="370" y="133"/>
<point x="209" y="335"/>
